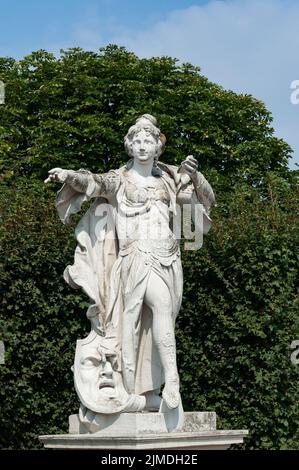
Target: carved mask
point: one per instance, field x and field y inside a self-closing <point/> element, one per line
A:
<point x="97" y="376"/>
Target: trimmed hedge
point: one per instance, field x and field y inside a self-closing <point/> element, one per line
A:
<point x="240" y="306"/>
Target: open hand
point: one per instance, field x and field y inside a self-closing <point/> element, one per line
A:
<point x="57" y="175"/>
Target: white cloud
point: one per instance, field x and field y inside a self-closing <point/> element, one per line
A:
<point x="249" y="46"/>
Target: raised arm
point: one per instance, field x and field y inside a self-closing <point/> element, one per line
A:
<point x="197" y="192"/>
<point x="200" y="186"/>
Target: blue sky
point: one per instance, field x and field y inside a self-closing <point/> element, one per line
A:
<point x="249" y="46"/>
<point x="27" y="25"/>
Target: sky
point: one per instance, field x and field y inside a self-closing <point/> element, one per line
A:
<point x="248" y="46"/>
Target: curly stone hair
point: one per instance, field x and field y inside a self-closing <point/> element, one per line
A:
<point x="148" y="123"/>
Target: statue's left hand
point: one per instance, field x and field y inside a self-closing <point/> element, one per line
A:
<point x="189" y="166"/>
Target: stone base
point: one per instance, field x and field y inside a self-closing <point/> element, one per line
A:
<point x="209" y="440"/>
<point x="140" y="424"/>
<point x="147" y="431"/>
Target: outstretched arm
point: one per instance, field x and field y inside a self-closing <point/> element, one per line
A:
<point x="76" y="179"/>
<point x="83" y="181"/>
<point x="80" y="186"/>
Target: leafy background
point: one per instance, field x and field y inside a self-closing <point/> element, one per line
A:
<point x="240" y="306"/>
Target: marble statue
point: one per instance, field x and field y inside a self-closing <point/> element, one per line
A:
<point x="128" y="263"/>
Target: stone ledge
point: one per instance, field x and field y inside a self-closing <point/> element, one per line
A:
<point x="206" y="440"/>
<point x="140" y="424"/>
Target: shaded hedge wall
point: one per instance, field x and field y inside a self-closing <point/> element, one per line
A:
<point x="240" y="305"/>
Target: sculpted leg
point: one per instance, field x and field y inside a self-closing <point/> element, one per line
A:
<point x="158" y="299"/>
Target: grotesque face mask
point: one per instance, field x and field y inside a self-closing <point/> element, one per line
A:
<point x="98" y="379"/>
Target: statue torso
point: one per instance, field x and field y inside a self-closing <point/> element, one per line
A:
<point x="143" y="218"/>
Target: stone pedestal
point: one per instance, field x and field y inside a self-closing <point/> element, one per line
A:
<point x="151" y="431"/>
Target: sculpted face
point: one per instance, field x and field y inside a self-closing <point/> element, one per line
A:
<point x="96" y="373"/>
<point x="144" y="146"/>
<point x="98" y="381"/>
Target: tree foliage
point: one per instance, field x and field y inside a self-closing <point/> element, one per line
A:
<point x="240" y="307"/>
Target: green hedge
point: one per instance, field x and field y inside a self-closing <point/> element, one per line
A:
<point x="240" y="306"/>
